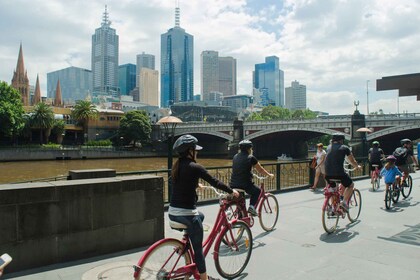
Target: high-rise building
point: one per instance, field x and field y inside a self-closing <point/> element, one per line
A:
<point x="296" y="96"/>
<point x="217" y="73"/>
<point x="20" y="79"/>
<point x="148" y="89"/>
<point x="145" y="60"/>
<point x="268" y="78"/>
<point x="227" y="75"/>
<point x="105" y="58"/>
<point x="209" y="72"/>
<point x="75" y="84"/>
<point x="177" y="72"/>
<point x="126" y="78"/>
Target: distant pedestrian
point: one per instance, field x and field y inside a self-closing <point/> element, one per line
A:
<point x="320" y="164"/>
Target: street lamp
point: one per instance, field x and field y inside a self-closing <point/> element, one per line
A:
<point x="367" y="97"/>
<point x="169" y="124"/>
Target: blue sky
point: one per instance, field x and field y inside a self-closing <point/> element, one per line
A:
<point x="331" y="46"/>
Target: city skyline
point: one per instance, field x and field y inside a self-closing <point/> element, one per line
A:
<point x="333" y="48"/>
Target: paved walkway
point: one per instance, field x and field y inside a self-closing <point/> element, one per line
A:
<point x="381" y="245"/>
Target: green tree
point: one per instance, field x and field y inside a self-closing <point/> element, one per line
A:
<point x="42" y="118"/>
<point x="58" y="130"/>
<point x="275" y="113"/>
<point x="255" y="117"/>
<point x="11" y="111"/>
<point x="82" y="112"/>
<point x="135" y="126"/>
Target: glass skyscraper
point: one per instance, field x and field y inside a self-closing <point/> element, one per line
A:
<point x="105" y="59"/>
<point x="75" y="83"/>
<point x="269" y="80"/>
<point x="126" y="78"/>
<point x="177" y="73"/>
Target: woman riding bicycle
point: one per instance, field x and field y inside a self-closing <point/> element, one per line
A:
<point x="375" y="156"/>
<point x="334" y="169"/>
<point x="241" y="177"/>
<point x="183" y="205"/>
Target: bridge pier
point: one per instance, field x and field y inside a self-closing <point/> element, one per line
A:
<point x="358" y="139"/>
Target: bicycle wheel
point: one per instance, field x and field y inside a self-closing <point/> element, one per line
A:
<point x="407" y="186"/>
<point x="355" y="206"/>
<point x="388" y="197"/>
<point x="329" y="216"/>
<point x="232" y="257"/>
<point x="395" y="194"/>
<point x="162" y="258"/>
<point x="269" y="212"/>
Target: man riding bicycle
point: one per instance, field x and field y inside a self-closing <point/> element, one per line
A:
<point x="241" y="177"/>
<point x="402" y="153"/>
<point x="334" y="169"/>
<point x="375" y="157"/>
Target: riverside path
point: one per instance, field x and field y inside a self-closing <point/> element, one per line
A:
<point x="381" y="245"/>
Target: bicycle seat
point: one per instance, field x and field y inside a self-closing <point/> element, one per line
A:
<point x="177" y="226"/>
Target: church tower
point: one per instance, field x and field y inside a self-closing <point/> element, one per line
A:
<point x="20" y="79"/>
<point x="58" y="101"/>
<point x="37" y="95"/>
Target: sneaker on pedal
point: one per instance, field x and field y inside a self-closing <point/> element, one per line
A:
<point x="345" y="207"/>
<point x="252" y="211"/>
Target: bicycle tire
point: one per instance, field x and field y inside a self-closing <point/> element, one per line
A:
<point x="355" y="206"/>
<point x="165" y="252"/>
<point x="388" y="197"/>
<point x="232" y="257"/>
<point x="407" y="186"/>
<point x="395" y="194"/>
<point x="268" y="211"/>
<point x="330" y="216"/>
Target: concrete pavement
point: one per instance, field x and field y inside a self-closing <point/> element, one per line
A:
<point x="381" y="245"/>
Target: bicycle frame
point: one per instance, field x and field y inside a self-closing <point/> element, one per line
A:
<point x="336" y="199"/>
<point x="191" y="269"/>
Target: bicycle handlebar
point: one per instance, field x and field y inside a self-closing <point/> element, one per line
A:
<point x="259" y="177"/>
<point x="219" y="194"/>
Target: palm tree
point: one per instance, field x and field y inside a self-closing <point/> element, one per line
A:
<point x="42" y="118"/>
<point x="82" y="112"/>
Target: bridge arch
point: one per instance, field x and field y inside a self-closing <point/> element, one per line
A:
<point x="317" y="130"/>
<point x="212" y="133"/>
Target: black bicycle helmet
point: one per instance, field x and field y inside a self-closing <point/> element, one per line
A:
<point x="245" y="145"/>
<point x="337" y="136"/>
<point x="405" y="141"/>
<point x="185" y="142"/>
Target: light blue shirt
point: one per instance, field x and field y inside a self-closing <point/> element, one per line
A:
<point x="389" y="175"/>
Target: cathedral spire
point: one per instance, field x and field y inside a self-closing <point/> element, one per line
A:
<point x="20" y="66"/>
<point x="37" y="95"/>
<point x="58" y="101"/>
<point x="20" y="79"/>
<point x="177" y="14"/>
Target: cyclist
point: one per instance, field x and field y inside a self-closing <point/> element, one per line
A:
<point x="183" y="205"/>
<point x="241" y="177"/>
<point x="375" y="157"/>
<point x="334" y="169"/>
<point x="402" y="153"/>
<point x="390" y="171"/>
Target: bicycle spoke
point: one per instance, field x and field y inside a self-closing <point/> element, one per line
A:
<point x="355" y="206"/>
<point x="269" y="212"/>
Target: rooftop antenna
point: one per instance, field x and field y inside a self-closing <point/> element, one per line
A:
<point x="177" y="13"/>
<point x="105" y="18"/>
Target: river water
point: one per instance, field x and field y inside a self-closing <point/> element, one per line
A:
<point x="11" y="172"/>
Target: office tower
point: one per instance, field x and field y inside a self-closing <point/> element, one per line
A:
<point x="296" y="96"/>
<point x="105" y="59"/>
<point x="217" y="73"/>
<point x="126" y="78"/>
<point x="209" y="72"/>
<point x="145" y="60"/>
<point x="269" y="80"/>
<point x="215" y="97"/>
<point x="227" y="75"/>
<point x="75" y="84"/>
<point x="20" y="79"/>
<point x="148" y="89"/>
<point x="177" y="73"/>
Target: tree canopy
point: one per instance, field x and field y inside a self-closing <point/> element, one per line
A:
<point x="277" y="113"/>
<point x="11" y="111"/>
<point x="42" y="118"/>
<point x="83" y="111"/>
<point x="135" y="126"/>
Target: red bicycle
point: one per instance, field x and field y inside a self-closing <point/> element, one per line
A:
<point x="267" y="208"/>
<point x="375" y="178"/>
<point x="332" y="210"/>
<point x="171" y="258"/>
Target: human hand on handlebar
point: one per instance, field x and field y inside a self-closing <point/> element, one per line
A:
<point x="271" y="175"/>
<point x="235" y="193"/>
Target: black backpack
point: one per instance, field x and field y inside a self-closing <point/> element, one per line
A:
<point x="401" y="155"/>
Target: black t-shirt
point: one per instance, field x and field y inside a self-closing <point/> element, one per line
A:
<point x="402" y="154"/>
<point x="334" y="161"/>
<point x="376" y="154"/>
<point x="242" y="170"/>
<point x="184" y="189"/>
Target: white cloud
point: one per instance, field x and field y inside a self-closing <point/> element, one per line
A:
<point x="330" y="46"/>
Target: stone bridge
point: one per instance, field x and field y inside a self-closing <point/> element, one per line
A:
<point x="290" y="137"/>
